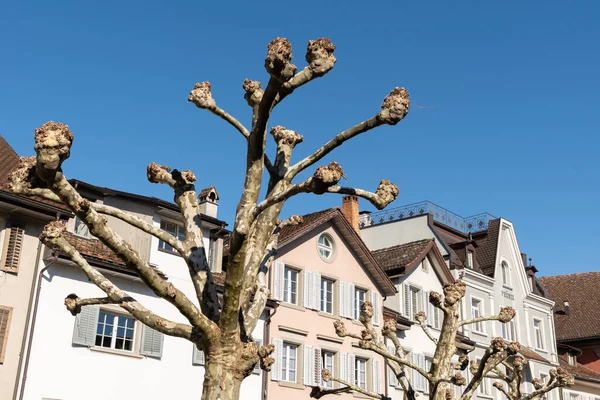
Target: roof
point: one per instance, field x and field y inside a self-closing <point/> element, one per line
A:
<point x="347" y="232"/>
<point x="582" y="291"/>
<point x="96" y="251"/>
<point x="532" y="355"/>
<point x="488" y="247"/>
<point x="9" y="160"/>
<point x="578" y="371"/>
<point x="401" y="259"/>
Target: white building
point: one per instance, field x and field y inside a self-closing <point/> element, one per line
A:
<point x="482" y="251"/>
<point x="103" y="353"/>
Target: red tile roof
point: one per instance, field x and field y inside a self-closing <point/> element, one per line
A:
<point x="582" y="291"/>
<point x="532" y="355"/>
<point x="9" y="160"/>
<point x="578" y="371"/>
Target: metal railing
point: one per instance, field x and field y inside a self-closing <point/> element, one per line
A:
<point x="474" y="223"/>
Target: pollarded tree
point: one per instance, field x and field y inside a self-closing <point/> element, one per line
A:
<point x="222" y="329"/>
<point x="501" y="361"/>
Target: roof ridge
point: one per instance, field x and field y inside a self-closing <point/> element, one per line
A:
<point x="403" y="244"/>
<point x="573" y="274"/>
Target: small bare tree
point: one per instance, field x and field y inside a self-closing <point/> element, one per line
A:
<point x="222" y="329"/>
<point x="501" y="361"/>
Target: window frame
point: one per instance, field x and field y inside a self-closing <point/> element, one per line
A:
<point x="469" y="259"/>
<point x="332" y="370"/>
<point x="538" y="331"/>
<point x="478" y="327"/>
<point x="357" y="304"/>
<point x="285" y="364"/>
<point x="365" y="362"/>
<point x="178" y="234"/>
<point x="417" y="293"/>
<point x="324" y="247"/>
<point x="6" y="333"/>
<point x="115" y="326"/>
<point x="505" y="272"/>
<point x="323" y="293"/>
<point x="287" y="291"/>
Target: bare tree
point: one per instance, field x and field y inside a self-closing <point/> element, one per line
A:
<point x="222" y="329"/>
<point x="501" y="361"/>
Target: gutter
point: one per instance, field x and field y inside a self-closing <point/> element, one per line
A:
<point x="31" y="319"/>
<point x="266" y="340"/>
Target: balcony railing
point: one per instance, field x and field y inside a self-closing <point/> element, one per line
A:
<point x="474" y="223"/>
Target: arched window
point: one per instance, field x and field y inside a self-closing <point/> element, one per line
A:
<point x="325" y="246"/>
<point x="505" y="274"/>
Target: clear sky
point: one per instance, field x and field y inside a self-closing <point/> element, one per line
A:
<point x="508" y="90"/>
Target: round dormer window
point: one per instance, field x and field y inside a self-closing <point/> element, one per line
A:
<point x="325" y="246"/>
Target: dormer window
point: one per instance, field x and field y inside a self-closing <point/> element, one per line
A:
<point x="572" y="359"/>
<point x="470" y="259"/>
<point x="81" y="229"/>
<point x="325" y="246"/>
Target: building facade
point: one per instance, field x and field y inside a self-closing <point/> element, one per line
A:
<point x="323" y="272"/>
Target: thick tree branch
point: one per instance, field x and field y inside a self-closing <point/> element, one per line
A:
<point x="350" y="387"/>
<point x="421" y="319"/>
<point x="52" y="236"/>
<point x="505" y="315"/>
<point x="393" y="110"/>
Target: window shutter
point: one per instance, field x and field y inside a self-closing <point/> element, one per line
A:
<point x="152" y="342"/>
<point x="351" y="301"/>
<point x="377" y="376"/>
<point x="421" y="377"/>
<point x="343" y="367"/>
<point x="197" y="356"/>
<point x="276" y="368"/>
<point x="416" y="382"/>
<point x="342" y="298"/>
<point x="392" y="378"/>
<point x="437" y="318"/>
<point x="407" y="303"/>
<point x="307" y="292"/>
<point x="318" y="368"/>
<point x="5" y="316"/>
<point x="376" y="308"/>
<point x="13" y="243"/>
<point x="316" y="293"/>
<point x="278" y="278"/>
<point x="84" y="332"/>
<point x="309" y="360"/>
<point x="352" y="368"/>
<point x="256" y="369"/>
<point x="425" y="302"/>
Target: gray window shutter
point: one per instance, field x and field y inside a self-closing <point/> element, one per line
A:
<point x="256" y="369"/>
<point x="197" y="356"/>
<point x="318" y="367"/>
<point x="13" y="245"/>
<point x="152" y="342"/>
<point x="86" y="322"/>
<point x="407" y="304"/>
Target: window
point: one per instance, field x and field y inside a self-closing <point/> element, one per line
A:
<point x="290" y="286"/>
<point x="328" y="362"/>
<point x="484" y="387"/>
<point x="544" y="379"/>
<point x="360" y="295"/>
<point x="537" y="331"/>
<point x="175" y="230"/>
<point x="360" y="372"/>
<point x="428" y="360"/>
<point x="327" y="296"/>
<point x="13" y="244"/>
<point x="325" y="246"/>
<point x="425" y="265"/>
<point x="476" y="313"/>
<point x="574" y="396"/>
<point x="509" y="331"/>
<point x="413" y="301"/>
<point x="115" y="331"/>
<point x="5" y="315"/>
<point x="81" y="229"/>
<point x="505" y="274"/>
<point x="289" y="359"/>
<point x="470" y="259"/>
<point x="571" y="359"/>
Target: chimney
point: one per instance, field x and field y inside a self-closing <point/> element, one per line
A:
<point x="350" y="210"/>
<point x="208" y="201"/>
<point x="566" y="307"/>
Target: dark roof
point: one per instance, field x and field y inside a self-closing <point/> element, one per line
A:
<point x="532" y="355"/>
<point x="488" y="247"/>
<point x="347" y="232"/>
<point x="95" y="251"/>
<point x="132" y="196"/>
<point x="578" y="371"/>
<point x="397" y="258"/>
<point x="582" y="291"/>
<point x="9" y="160"/>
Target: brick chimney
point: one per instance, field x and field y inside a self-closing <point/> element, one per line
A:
<point x="350" y="211"/>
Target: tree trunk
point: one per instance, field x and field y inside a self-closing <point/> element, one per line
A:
<point x="220" y="381"/>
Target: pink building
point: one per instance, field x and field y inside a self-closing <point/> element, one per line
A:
<point x="323" y="272"/>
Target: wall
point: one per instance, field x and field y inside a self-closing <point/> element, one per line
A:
<point x="309" y="327"/>
<point x="15" y="292"/>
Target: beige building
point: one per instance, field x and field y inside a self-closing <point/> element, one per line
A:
<point x="21" y="222"/>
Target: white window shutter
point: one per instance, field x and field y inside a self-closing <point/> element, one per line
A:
<point x="152" y="342"/>
<point x="352" y="368"/>
<point x="343" y="370"/>
<point x="351" y="301"/>
<point x="316" y="292"/>
<point x="377" y="376"/>
<point x="437" y="318"/>
<point x="421" y="377"/>
<point x="376" y="308"/>
<point x="318" y="368"/>
<point x="256" y="369"/>
<point x="84" y="332"/>
<point x="392" y="378"/>
<point x="307" y="289"/>
<point x="197" y="356"/>
<point x="276" y="368"/>
<point x="307" y="376"/>
<point x="416" y="382"/>
<point x="407" y="302"/>
<point x="278" y="279"/>
<point x="425" y="302"/>
<point x="342" y="298"/>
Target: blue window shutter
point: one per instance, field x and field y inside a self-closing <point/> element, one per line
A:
<point x="152" y="342"/>
<point x="197" y="356"/>
<point x="86" y="322"/>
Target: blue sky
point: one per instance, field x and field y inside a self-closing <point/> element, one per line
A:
<point x="508" y="121"/>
